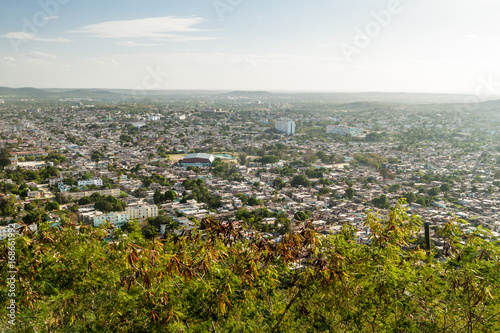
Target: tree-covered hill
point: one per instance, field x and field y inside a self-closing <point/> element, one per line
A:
<point x="225" y="279"/>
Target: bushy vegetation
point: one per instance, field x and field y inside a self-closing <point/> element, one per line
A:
<point x="301" y="180"/>
<point x="104" y="203"/>
<point x="268" y="159"/>
<point x="225" y="170"/>
<point x="255" y="220"/>
<point x="71" y="280"/>
<point x="200" y="193"/>
<point x="371" y="159"/>
<point x="159" y="197"/>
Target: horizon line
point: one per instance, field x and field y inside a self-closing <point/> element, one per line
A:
<point x="255" y="90"/>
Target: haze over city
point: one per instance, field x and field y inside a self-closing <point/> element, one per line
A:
<point x="380" y="46"/>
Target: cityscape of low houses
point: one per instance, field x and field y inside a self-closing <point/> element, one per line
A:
<point x="121" y="151"/>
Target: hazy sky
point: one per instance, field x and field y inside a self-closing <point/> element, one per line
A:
<point x="315" y="45"/>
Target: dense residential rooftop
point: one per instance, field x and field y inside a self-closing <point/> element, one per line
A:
<point x="225" y="163"/>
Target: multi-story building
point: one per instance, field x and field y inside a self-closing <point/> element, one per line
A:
<point x="55" y="181"/>
<point x="78" y="195"/>
<point x="93" y="181"/>
<point x="35" y="194"/>
<point x="133" y="212"/>
<point x="344" y="130"/>
<point x="141" y="212"/>
<point x="286" y="126"/>
<point x="97" y="218"/>
<point x="28" y="154"/>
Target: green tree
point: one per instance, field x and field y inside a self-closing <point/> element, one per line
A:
<point x="74" y="208"/>
<point x="150" y="232"/>
<point x="158" y="197"/>
<point x="445" y="187"/>
<point x="84" y="201"/>
<point x="410" y="197"/>
<point x="300" y="216"/>
<point x="349" y="193"/>
<point x="242" y="159"/>
<point x="170" y="195"/>
<point x="5" y="155"/>
<point x="165" y="220"/>
<point x="434" y="191"/>
<point x="381" y="202"/>
<point x="394" y="188"/>
<point x="300" y="180"/>
<point x="35" y="216"/>
<point x="8" y="205"/>
<point x="133" y="230"/>
<point x="269" y="159"/>
<point x="52" y="206"/>
<point x="30" y="206"/>
<point x="278" y="183"/>
<point x="324" y="190"/>
<point x="387" y="174"/>
<point x="252" y="201"/>
<point x="96" y="156"/>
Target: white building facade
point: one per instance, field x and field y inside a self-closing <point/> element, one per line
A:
<point x="286" y="126"/>
<point x="93" y="181"/>
<point x="133" y="212"/>
<point x="140" y="212"/>
<point x="99" y="218"/>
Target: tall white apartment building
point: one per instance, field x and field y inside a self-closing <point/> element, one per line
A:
<point x="140" y="212"/>
<point x="133" y="212"/>
<point x="93" y="181"/>
<point x="99" y="218"/>
<point x="286" y="126"/>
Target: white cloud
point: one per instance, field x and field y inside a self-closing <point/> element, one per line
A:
<point x="470" y="36"/>
<point x="48" y="18"/>
<point x="159" y="28"/>
<point x="131" y="43"/>
<point x="39" y="55"/>
<point x="181" y="38"/>
<point x="98" y="62"/>
<point x="27" y="36"/>
<point x="33" y="60"/>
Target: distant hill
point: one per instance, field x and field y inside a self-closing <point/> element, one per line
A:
<point x="340" y="98"/>
<point x="398" y="98"/>
<point x="360" y="105"/>
<point x="23" y="92"/>
<point x="248" y="94"/>
<point x="493" y="103"/>
<point x="98" y="94"/>
<point x="91" y="93"/>
<point x="56" y="93"/>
